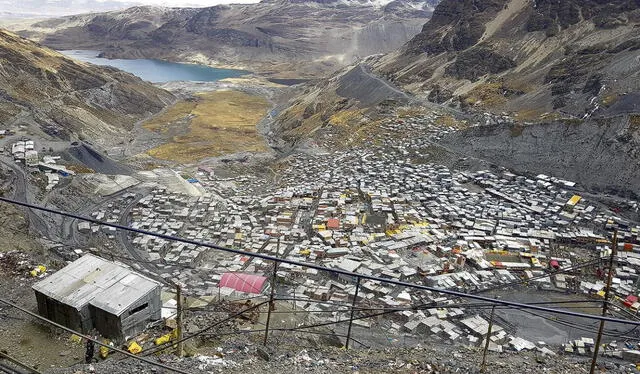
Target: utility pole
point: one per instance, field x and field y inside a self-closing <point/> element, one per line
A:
<point x="488" y="339"/>
<point x="353" y="306"/>
<point x="596" y="348"/>
<point x="179" y="321"/>
<point x="273" y="288"/>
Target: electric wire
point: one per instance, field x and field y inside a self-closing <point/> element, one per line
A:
<point x="96" y="341"/>
<point x="323" y="268"/>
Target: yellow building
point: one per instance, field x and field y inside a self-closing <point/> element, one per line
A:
<point x="573" y="201"/>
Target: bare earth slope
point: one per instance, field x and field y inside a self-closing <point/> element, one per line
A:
<point x="61" y="96"/>
<point x="307" y="37"/>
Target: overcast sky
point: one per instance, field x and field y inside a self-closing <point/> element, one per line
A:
<point x="60" y="7"/>
<point x="190" y="3"/>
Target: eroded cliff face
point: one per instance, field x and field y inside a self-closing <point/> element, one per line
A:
<point x="600" y="154"/>
<point x="454" y="26"/>
<point x="64" y="96"/>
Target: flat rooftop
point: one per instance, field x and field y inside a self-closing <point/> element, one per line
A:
<point x="93" y="280"/>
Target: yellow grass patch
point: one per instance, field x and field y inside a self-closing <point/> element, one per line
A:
<point x="487" y="94"/>
<point x="609" y="99"/>
<point x="450" y="121"/>
<point x="219" y="122"/>
<point x="346" y="117"/>
<point x="80" y="169"/>
<point x="536" y="114"/>
<point x="163" y="122"/>
<point x="634" y="122"/>
<point x="411" y="112"/>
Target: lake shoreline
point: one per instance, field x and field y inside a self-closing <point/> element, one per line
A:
<point x="158" y="71"/>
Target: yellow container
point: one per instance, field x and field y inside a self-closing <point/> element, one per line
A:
<point x="134" y="348"/>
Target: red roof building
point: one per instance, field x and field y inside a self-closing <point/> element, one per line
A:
<point x="333" y="224"/>
<point x="247" y="283"/>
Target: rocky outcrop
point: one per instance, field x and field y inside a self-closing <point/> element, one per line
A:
<point x="473" y="63"/>
<point x="454" y="26"/>
<point x="573" y="57"/>
<point x="552" y="16"/>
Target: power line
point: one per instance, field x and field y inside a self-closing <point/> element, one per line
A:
<point x="92" y="339"/>
<point x="299" y="328"/>
<point x="559" y="271"/>
<point x="347" y="305"/>
<point x="582" y="327"/>
<point x="284" y="330"/>
<point x="323" y="268"/>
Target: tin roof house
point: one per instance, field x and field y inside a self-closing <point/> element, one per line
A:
<point x="95" y="293"/>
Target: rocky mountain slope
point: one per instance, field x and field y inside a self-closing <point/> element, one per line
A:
<point x="302" y="38"/>
<point x="60" y="96"/>
<point x="567" y="71"/>
<point x="529" y="57"/>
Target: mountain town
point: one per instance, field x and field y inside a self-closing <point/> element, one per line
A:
<point x="445" y="187"/>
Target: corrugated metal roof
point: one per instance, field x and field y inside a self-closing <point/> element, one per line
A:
<point x="249" y="283"/>
<point x="117" y="298"/>
<point x="91" y="279"/>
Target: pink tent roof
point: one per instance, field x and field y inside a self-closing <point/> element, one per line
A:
<point x="249" y="283"/>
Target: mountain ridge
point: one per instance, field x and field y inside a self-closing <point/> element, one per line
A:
<point x="64" y="97"/>
<point x="542" y="50"/>
<point x="298" y="38"/>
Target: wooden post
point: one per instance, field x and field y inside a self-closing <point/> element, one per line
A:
<point x="179" y="350"/>
<point x="488" y="339"/>
<point x="596" y="348"/>
<point x="353" y="305"/>
<point x="273" y="288"/>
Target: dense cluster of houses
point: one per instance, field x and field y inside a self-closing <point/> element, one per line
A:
<point x="382" y="209"/>
<point x="24" y="152"/>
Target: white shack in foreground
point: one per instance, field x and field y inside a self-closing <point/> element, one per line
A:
<point x="92" y="292"/>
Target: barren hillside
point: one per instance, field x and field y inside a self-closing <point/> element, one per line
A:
<point x="61" y="96"/>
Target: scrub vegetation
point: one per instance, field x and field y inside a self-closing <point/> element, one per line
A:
<point x="209" y="125"/>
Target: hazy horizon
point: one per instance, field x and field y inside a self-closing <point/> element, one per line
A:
<point x="25" y="8"/>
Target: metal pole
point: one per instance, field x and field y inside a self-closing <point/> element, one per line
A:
<point x="596" y="348"/>
<point x="353" y="305"/>
<point x="179" y="350"/>
<point x="273" y="288"/>
<point x="19" y="363"/>
<point x="486" y="344"/>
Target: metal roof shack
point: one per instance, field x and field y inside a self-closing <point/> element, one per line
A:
<point x="247" y="283"/>
<point x="95" y="293"/>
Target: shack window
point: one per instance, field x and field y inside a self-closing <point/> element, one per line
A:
<point x="137" y="309"/>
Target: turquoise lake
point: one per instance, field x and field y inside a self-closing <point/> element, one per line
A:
<point x="158" y="71"/>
